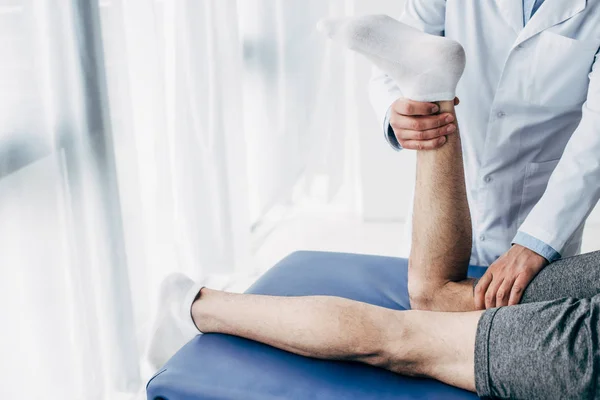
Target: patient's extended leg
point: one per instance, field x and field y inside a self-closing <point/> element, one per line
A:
<point x="414" y="343"/>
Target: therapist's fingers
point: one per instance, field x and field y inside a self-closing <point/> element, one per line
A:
<point x="490" y="295"/>
<point x="414" y="108"/>
<point x="407" y="134"/>
<point x="481" y="289"/>
<point x="518" y="288"/>
<point x="504" y="292"/>
<point x="399" y="122"/>
<point x="423" y="144"/>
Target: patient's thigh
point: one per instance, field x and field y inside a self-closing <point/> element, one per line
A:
<point x="576" y="277"/>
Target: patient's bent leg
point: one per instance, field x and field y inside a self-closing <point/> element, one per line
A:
<point x="441" y="223"/>
<point x="428" y="68"/>
<point x="441" y="237"/>
<point x="442" y="242"/>
<point x="414" y="343"/>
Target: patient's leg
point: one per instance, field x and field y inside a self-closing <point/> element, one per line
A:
<point x="441" y="245"/>
<point x="420" y="343"/>
<point x="415" y="343"/>
<point x="442" y="232"/>
<point x="428" y="68"/>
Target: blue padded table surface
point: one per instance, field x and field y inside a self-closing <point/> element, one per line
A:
<point x="215" y="366"/>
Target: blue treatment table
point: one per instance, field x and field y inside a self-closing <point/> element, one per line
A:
<point x="216" y="366"/>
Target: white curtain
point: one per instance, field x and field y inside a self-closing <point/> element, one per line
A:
<point x="143" y="137"/>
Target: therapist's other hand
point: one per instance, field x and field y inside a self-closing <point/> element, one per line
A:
<point x="506" y="279"/>
<point x="418" y="126"/>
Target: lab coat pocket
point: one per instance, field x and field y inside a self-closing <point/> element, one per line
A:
<point x="534" y="186"/>
<point x="560" y="70"/>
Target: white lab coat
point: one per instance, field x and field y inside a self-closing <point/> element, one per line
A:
<point x="529" y="116"/>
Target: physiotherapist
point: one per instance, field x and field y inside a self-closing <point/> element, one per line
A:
<point x="530" y="128"/>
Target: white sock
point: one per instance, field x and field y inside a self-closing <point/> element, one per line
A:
<point x="426" y="67"/>
<point x="173" y="326"/>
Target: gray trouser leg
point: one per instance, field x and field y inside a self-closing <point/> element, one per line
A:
<point x="577" y="277"/>
<point x="548" y="346"/>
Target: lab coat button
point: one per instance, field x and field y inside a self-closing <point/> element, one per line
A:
<point x="487" y="179"/>
<point x="482" y="238"/>
<point x="501" y="114"/>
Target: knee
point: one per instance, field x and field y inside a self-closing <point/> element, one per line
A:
<point x="422" y="299"/>
<point x="436" y="295"/>
<point x="422" y="293"/>
<point x="423" y="296"/>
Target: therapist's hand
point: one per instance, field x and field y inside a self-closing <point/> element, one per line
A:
<point x="418" y="126"/>
<point x="506" y="279"/>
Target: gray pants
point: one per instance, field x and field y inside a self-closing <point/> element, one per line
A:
<point x="548" y="346"/>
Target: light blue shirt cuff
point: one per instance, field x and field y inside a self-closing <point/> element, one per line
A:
<point x="388" y="132"/>
<point x="536" y="245"/>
